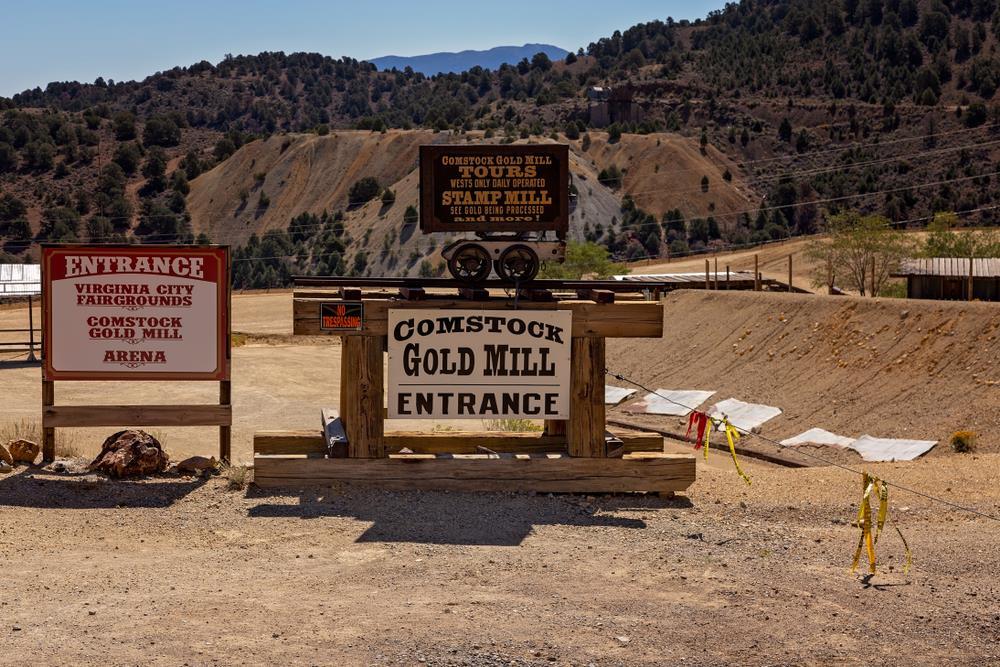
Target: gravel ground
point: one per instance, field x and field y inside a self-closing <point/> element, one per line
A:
<point x="183" y="571"/>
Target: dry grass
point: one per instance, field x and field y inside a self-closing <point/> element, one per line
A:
<point x="963" y="442"/>
<point x="511" y="425"/>
<point x="68" y="445"/>
<point x="238" y="477"/>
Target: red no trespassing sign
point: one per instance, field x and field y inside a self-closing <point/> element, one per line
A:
<point x="136" y="312"/>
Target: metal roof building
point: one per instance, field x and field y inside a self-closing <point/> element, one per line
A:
<point x="950" y="278"/>
<point x="20" y="280"/>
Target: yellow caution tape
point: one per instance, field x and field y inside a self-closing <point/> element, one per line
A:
<point x="732" y="435"/>
<point x="867" y="540"/>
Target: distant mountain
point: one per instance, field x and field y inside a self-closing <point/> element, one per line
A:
<point x="436" y="63"/>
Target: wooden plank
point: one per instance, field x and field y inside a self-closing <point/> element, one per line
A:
<point x="350" y="293"/>
<point x="585" y="427"/>
<point x="309" y="442"/>
<point x="334" y="434"/>
<point x="361" y="401"/>
<point x="629" y="319"/>
<point x="649" y="472"/>
<point x="596" y="295"/>
<point x="137" y="415"/>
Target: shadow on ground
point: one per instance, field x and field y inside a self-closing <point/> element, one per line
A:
<point x="37" y="488"/>
<point x="434" y="517"/>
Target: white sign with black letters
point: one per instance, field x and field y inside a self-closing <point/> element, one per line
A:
<point x="479" y="364"/>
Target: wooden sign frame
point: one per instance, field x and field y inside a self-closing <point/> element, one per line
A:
<point x="60" y="416"/>
<point x="578" y="454"/>
<point x="430" y="186"/>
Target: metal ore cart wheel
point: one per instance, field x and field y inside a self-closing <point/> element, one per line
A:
<point x="470" y="263"/>
<point x="518" y="263"/>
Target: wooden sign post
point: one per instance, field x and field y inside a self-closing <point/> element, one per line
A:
<point x="136" y="313"/>
<point x="574" y="453"/>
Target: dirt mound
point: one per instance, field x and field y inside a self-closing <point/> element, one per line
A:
<point x="886" y="367"/>
<point x="663" y="171"/>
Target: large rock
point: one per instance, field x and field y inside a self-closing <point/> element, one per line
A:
<point x="131" y="453"/>
<point x="24" y="451"/>
<point x="5" y="456"/>
<point x="196" y="465"/>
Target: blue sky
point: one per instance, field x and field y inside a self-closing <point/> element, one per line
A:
<point x="61" y="40"/>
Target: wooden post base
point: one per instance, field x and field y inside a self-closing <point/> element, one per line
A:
<point x="473" y="462"/>
<point x="547" y="473"/>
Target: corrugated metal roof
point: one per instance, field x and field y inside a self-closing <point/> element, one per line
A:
<point x="20" y="279"/>
<point x="952" y="267"/>
<point x="684" y="277"/>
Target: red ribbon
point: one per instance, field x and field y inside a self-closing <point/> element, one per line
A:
<point x="699" y="421"/>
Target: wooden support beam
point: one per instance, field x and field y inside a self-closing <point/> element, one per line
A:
<point x="625" y="319"/>
<point x="585" y="428"/>
<point x="313" y="442"/>
<point x="361" y="403"/>
<point x="756" y="273"/>
<point x="136" y="415"/>
<point x="596" y="295"/>
<point x="412" y="293"/>
<point x="654" y="472"/>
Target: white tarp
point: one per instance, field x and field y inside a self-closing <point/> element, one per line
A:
<point x="817" y="436"/>
<point x="744" y="416"/>
<point x="615" y="395"/>
<point x="891" y="449"/>
<point x="871" y="449"/>
<point x="671" y="402"/>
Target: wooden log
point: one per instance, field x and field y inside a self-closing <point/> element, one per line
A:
<point x="625" y="319"/>
<point x="137" y="415"/>
<point x="585" y="428"/>
<point x="655" y="472"/>
<point x="48" y="432"/>
<point x="361" y="401"/>
<point x="313" y="442"/>
<point x="334" y="435"/>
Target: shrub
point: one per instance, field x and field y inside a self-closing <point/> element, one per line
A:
<point x="363" y="190"/>
<point x="963" y="442"/>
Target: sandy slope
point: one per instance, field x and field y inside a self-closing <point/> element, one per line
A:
<point x="886" y="367"/>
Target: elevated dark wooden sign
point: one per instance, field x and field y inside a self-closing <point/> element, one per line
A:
<point x="491" y="188"/>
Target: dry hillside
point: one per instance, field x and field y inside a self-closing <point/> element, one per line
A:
<point x="885" y="367"/>
<point x="309" y="173"/>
